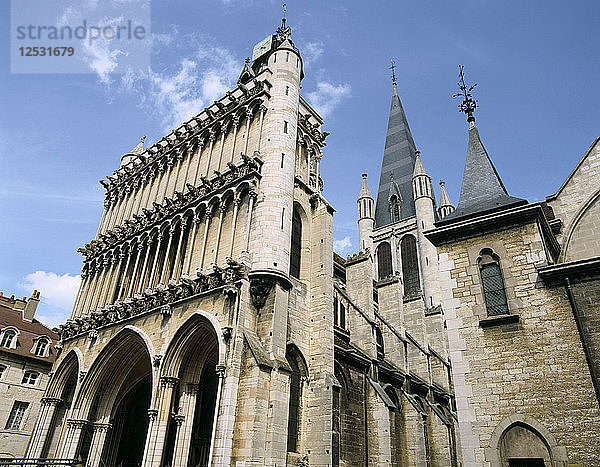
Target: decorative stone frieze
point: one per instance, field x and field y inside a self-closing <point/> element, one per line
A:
<point x="157" y="299"/>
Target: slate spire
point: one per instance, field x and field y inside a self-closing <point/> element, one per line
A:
<point x="482" y="189"/>
<point x="397" y="166"/>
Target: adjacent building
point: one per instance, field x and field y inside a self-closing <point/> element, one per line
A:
<point x="26" y="356"/>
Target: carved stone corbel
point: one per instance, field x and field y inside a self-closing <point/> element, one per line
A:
<point x="260" y="288"/>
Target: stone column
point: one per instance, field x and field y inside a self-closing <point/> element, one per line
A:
<point x="109" y="278"/>
<point x="100" y="431"/>
<point x="223" y="132"/>
<point x="163" y="169"/>
<point x="71" y="439"/>
<point x="167" y="251"/>
<point x="42" y="427"/>
<point x="248" y="117"/>
<point x="101" y="282"/>
<point x="157" y="431"/>
<point x="208" y="214"/>
<point x="236" y="122"/>
<point x="106" y="205"/>
<point x="220" y="369"/>
<point x="143" y="188"/>
<point x="153" y="271"/>
<point x="263" y="109"/>
<point x="200" y="147"/>
<point x="188" y="156"/>
<point x="124" y="276"/>
<point x="125" y="204"/>
<point x="210" y="150"/>
<point x="134" y="272"/>
<point x="252" y="195"/>
<point x="89" y="293"/>
<point x="81" y="291"/>
<point x="152" y="416"/>
<point x="236" y="205"/>
<point x="192" y="241"/>
<point x="182" y="225"/>
<point x="170" y="164"/>
<point x="222" y="210"/>
<point x="135" y="187"/>
<point x="113" y="288"/>
<point x="183" y="440"/>
<point x="142" y="280"/>
<point x="178" y="162"/>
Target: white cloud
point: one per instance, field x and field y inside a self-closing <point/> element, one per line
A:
<point x="56" y="291"/>
<point x="311" y="51"/>
<point x="342" y="246"/>
<point x="328" y="95"/>
<point x="176" y="94"/>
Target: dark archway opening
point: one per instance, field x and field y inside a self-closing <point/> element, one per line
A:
<point x="203" y="418"/>
<point x="296" y="249"/>
<point x="131" y="425"/>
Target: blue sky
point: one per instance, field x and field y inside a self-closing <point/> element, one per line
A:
<point x="536" y="63"/>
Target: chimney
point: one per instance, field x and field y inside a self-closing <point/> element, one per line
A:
<point x="31" y="306"/>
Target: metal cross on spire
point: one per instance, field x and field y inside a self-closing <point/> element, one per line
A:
<point x="284" y="15"/>
<point x="393" y="68"/>
<point x="468" y="105"/>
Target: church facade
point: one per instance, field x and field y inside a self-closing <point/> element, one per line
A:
<point x="215" y="325"/>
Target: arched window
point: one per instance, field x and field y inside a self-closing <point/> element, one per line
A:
<point x="492" y="283"/>
<point x="410" y="266"/>
<point x="339" y="405"/>
<point x="394" y="208"/>
<point x="9" y="338"/>
<point x="30" y="377"/>
<point x="296" y="250"/>
<point x="339" y="313"/>
<point x="295" y="406"/>
<point x="41" y="347"/>
<point x="384" y="260"/>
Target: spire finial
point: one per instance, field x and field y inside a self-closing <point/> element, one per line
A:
<point x="247" y="61"/>
<point x="442" y="182"/>
<point x="393" y="68"/>
<point x="468" y="105"/>
<point x="284" y="15"/>
<point x="143" y="139"/>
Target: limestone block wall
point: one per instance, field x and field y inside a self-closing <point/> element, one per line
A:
<point x="535" y="367"/>
<point x="14" y="442"/>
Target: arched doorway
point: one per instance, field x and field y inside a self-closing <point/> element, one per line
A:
<point x="113" y="402"/>
<point x="521" y="446"/>
<point x="191" y="362"/>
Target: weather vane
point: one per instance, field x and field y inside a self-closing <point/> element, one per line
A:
<point x="284" y="15"/>
<point x="393" y="68"/>
<point x="468" y="105"/>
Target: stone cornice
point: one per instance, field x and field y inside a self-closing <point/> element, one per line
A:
<point x="220" y="182"/>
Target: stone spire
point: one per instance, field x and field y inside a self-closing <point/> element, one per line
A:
<point x="365" y="216"/>
<point x="397" y="165"/>
<point x="446" y="206"/>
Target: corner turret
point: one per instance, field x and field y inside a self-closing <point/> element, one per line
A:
<point x="446" y="206"/>
<point x="366" y="216"/>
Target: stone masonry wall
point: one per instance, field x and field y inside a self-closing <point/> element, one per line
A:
<point x="535" y="367"/>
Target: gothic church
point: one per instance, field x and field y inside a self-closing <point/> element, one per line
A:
<point x="215" y="325"/>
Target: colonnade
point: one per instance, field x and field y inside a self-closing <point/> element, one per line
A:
<point x="214" y="148"/>
<point x="167" y="252"/>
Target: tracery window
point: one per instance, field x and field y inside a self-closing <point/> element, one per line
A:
<point x="41" y="347"/>
<point x="410" y="266"/>
<point x="492" y="283"/>
<point x="9" y="338"/>
<point x="384" y="260"/>
<point x="30" y="377"/>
